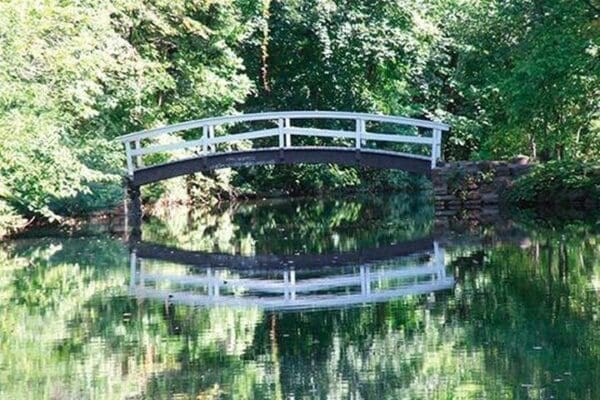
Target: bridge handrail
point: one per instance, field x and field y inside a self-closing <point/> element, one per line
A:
<point x="199" y="123"/>
<point x="284" y="129"/>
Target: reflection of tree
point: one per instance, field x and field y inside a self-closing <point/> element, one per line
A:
<point x="394" y="350"/>
<point x="295" y="226"/>
<point x="70" y="331"/>
<point x="480" y="342"/>
<point x="44" y="285"/>
<point x="535" y="314"/>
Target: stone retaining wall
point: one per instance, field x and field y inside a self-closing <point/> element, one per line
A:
<point x="474" y="189"/>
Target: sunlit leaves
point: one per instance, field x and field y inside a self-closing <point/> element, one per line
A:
<point x="74" y="75"/>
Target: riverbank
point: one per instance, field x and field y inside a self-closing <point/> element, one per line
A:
<point x="114" y="221"/>
<point x="572" y="184"/>
<point x="474" y="194"/>
<point x="465" y="190"/>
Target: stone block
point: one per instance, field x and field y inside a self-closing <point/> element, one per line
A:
<point x="486" y="165"/>
<point x="438" y="179"/>
<point x="437" y="175"/>
<point x="501" y="183"/>
<point x="446" y="213"/>
<point x="472" y="204"/>
<point x="502" y="170"/>
<point x="486" y="188"/>
<point x="490" y="198"/>
<point x="518" y="170"/>
<point x="442" y="223"/>
<point x="440" y="189"/>
<point x="446" y="197"/>
<point x="520" y="160"/>
<point x="454" y="204"/>
<point x="490" y="211"/>
<point x="473" y="195"/>
<point x="474" y="215"/>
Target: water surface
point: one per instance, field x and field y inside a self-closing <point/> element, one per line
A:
<point x="316" y="298"/>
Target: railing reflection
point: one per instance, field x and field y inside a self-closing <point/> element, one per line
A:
<point x="290" y="287"/>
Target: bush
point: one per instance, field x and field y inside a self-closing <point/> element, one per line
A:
<point x="313" y="179"/>
<point x="558" y="182"/>
<point x="10" y="221"/>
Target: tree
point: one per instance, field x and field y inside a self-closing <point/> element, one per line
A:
<point x="74" y="75"/>
<point x="533" y="66"/>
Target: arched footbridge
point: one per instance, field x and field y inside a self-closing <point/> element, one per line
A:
<point x="353" y="139"/>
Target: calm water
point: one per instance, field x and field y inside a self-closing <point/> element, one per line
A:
<point x="352" y="298"/>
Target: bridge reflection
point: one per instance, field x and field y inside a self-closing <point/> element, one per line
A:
<point x="288" y="283"/>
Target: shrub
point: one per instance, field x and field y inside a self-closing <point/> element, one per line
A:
<point x="558" y="182"/>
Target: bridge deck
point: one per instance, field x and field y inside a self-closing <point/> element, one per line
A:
<point x="293" y="155"/>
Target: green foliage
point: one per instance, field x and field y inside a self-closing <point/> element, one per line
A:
<point x="9" y="219"/>
<point x="532" y="69"/>
<point x="54" y="61"/>
<point x="74" y="75"/>
<point x="558" y="182"/>
<point x="338" y="55"/>
<point x="509" y="76"/>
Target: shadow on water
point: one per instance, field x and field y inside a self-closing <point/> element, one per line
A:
<point x="518" y="318"/>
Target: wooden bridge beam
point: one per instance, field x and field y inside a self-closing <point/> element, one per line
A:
<point x="294" y="155"/>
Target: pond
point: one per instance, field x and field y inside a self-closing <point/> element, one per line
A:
<point x="358" y="297"/>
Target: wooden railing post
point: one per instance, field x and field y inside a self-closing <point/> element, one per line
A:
<point x="211" y="135"/>
<point x="288" y="135"/>
<point x="130" y="169"/>
<point x="281" y="137"/>
<point x="293" y="284"/>
<point x="139" y="161"/>
<point x="286" y="285"/>
<point x="440" y="259"/>
<point x="438" y="144"/>
<point x="360" y="129"/>
<point x="204" y="138"/>
<point x="433" y="150"/>
<point x="132" y="268"/>
<point x="435" y="147"/>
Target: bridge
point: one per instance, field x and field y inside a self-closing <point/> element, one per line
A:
<point x="358" y="139"/>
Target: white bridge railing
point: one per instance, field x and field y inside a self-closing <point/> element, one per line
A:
<point x="139" y="144"/>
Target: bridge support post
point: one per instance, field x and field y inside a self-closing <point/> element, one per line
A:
<point x="135" y="209"/>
